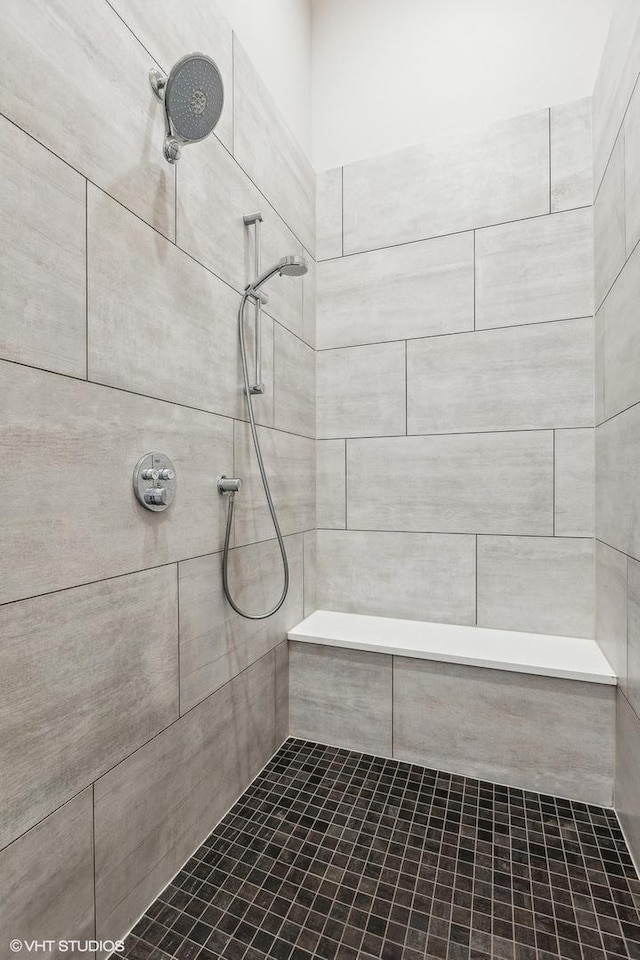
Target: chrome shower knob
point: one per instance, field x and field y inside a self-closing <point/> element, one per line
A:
<point x="172" y="150"/>
<point x="154" y="481"/>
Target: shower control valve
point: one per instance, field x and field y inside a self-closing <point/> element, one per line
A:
<point x="154" y="481"/>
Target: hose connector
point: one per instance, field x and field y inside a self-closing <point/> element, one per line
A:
<point x="228" y="485"/>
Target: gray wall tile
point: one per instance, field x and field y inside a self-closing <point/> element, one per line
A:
<point x="538" y="733"/>
<point x="598" y="337"/>
<point x="361" y="391"/>
<point x="621" y="340"/>
<point x="609" y="224"/>
<point x="168" y="31"/>
<point x="627" y="784"/>
<point x="46" y="885"/>
<point x="282" y="692"/>
<point x="611" y="607"/>
<point x="571" y="155"/>
<point x="575" y="483"/>
<point x="617" y="488"/>
<point x="310" y="572"/>
<point x="85" y="682"/>
<point x="466" y="483"/>
<point x="535" y="270"/>
<point x="329" y="214"/>
<point x="616" y="79"/>
<point x="82" y="522"/>
<point x="536" y="376"/>
<point x="42" y="257"/>
<point x="215" y="642"/>
<point x="155" y="808"/>
<point x="524" y="584"/>
<point x="414" y="576"/>
<point x="291" y="466"/>
<point x="98" y="96"/>
<point x="294" y="384"/>
<point x="266" y="149"/>
<point x="415" y="290"/>
<point x="331" y="504"/>
<point x="631" y="680"/>
<point x="631" y="163"/>
<point x="341" y="697"/>
<point x="432" y="188"/>
<point x="309" y="285"/>
<point x="183" y="345"/>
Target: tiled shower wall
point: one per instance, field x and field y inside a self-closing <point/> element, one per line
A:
<point x="135" y="706"/>
<point x="455" y="403"/>
<point x="616" y="117"/>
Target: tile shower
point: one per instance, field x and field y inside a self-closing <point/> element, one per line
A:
<point x="444" y="468"/>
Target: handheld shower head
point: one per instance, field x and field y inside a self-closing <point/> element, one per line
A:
<point x="293" y="266"/>
<point x="193" y="96"/>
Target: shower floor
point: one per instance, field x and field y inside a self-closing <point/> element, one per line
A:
<point x="337" y="855"/>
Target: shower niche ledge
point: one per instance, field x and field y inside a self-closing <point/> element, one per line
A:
<point x="527" y="710"/>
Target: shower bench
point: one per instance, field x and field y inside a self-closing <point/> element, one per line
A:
<point x="529" y="710"/>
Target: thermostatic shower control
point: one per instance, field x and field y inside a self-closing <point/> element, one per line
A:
<point x="154" y="481"/>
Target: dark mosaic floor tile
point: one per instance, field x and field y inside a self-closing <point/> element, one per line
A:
<point x="335" y="855"/>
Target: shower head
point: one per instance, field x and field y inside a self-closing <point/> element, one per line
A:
<point x="293" y="266"/>
<point x="193" y="95"/>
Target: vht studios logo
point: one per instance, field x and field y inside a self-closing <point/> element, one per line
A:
<point x="66" y="946"/>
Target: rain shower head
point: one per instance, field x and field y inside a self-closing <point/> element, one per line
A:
<point x="193" y="96"/>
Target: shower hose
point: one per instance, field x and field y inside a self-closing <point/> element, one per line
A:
<point x="265" y="484"/>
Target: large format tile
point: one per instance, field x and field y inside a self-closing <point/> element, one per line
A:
<point x="620" y="345"/>
<point x="46" y="885"/>
<point x="282" y="692"/>
<point x="575" y="483"/>
<point x="341" y="697"/>
<point x="414" y="576"/>
<point x="537" y="584"/>
<point x="617" y="487"/>
<point x="539" y="733"/>
<point x="611" y="607"/>
<point x="159" y="324"/>
<point x="631" y="686"/>
<point x="609" y="225"/>
<point x="416" y="290"/>
<point x="99" y="112"/>
<point x="329" y="214"/>
<point x="534" y="270"/>
<point x="215" y="642"/>
<point x="466" y="483"/>
<point x="331" y="492"/>
<point x="42" y="257"/>
<point x="631" y="164"/>
<point x="153" y="809"/>
<point x="169" y="31"/>
<point x="310" y="571"/>
<point x="268" y="151"/>
<point x="294" y="397"/>
<point x="516" y="378"/>
<point x="361" y="391"/>
<point x="616" y="79"/>
<point x="211" y="228"/>
<point x="291" y="466"/>
<point x="455" y="182"/>
<point x="627" y="784"/>
<point x="79" y="520"/>
<point x="85" y="681"/>
<point x="309" y="296"/>
<point x="571" y="155"/>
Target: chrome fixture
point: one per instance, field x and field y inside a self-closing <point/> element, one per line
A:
<point x="228" y="485"/>
<point x="286" y="267"/>
<point x="254" y="220"/>
<point x="193" y="97"/>
<point x="154" y="481"/>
